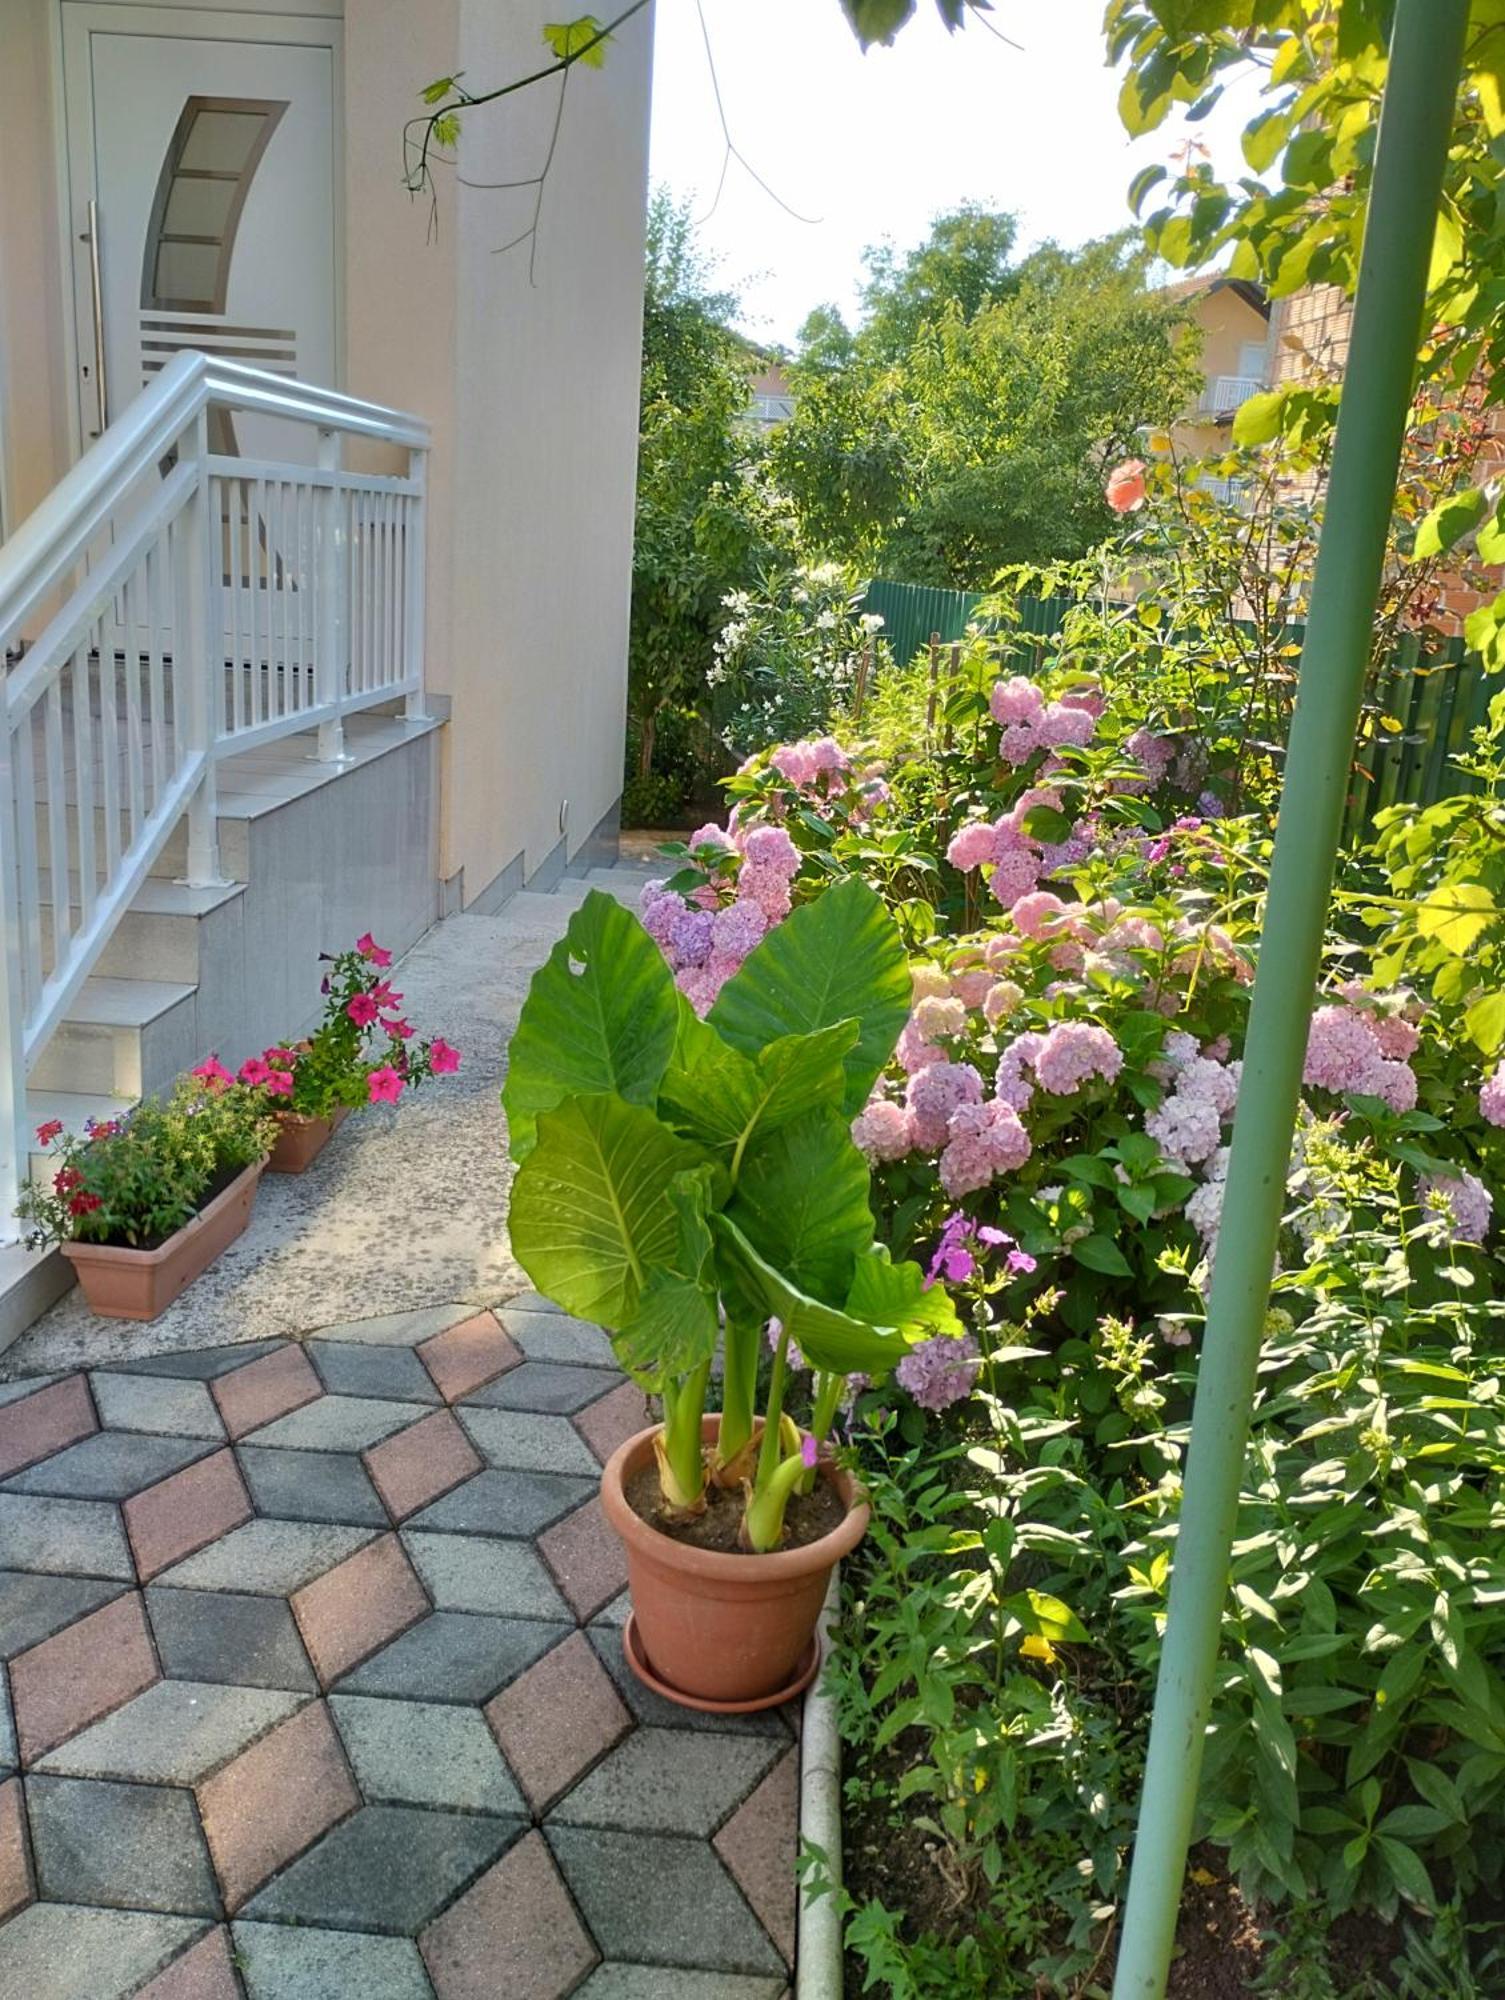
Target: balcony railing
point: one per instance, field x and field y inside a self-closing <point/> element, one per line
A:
<point x="1226" y="393"/>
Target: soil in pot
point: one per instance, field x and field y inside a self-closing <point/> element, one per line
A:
<point x="807" y="1518"/>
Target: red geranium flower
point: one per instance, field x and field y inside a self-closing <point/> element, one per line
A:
<point x="48" y="1132"/>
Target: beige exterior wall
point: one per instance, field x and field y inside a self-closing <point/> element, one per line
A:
<point x="1226" y="325"/>
<point x="530" y="382"/>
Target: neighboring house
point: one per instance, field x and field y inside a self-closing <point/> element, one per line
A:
<point x="771" y="395"/>
<point x="187" y="177"/>
<point x="1232" y="321"/>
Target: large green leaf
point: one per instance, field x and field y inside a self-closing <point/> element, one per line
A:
<point x="827" y="1337"/>
<point x="895" y="1295"/>
<point x="713" y="1093"/>
<point x="600" y="1017"/>
<point x="839" y="958"/>
<point x="802" y="1201"/>
<point x="672" y="1329"/>
<point x="591" y="1214"/>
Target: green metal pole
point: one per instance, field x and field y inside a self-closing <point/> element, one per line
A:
<point x="1426" y="54"/>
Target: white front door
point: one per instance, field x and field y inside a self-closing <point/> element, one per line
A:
<point x="206" y="144"/>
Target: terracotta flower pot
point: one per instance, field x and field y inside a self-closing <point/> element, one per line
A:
<point x="300" y="1140"/>
<point x="120" y="1283"/>
<point x="716" y="1630"/>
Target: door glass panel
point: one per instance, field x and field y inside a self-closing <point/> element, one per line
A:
<point x="198" y="207"/>
<point x="206" y="175"/>
<point x="185" y="273"/>
<point x="221" y="139"/>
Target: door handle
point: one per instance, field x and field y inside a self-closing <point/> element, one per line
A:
<point x="96" y="291"/>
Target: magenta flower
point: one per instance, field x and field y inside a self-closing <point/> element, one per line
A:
<point x="362" y="1009"/>
<point x="213" y="1074"/>
<point x="384" y="1085"/>
<point x="443" y="1059"/>
<point x="255" y="1072"/>
<point x="809" y="1451"/>
<point x="396" y="1026"/>
<point x="371" y="950"/>
<point x="279" y="1083"/>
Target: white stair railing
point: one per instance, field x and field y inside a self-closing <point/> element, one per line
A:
<point x="168" y="606"/>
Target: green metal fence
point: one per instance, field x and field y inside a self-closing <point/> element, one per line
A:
<point x="1429" y="705"/>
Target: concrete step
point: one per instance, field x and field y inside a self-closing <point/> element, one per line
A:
<point x="160" y="935"/>
<point x="123" y="1037"/>
<point x="171" y="862"/>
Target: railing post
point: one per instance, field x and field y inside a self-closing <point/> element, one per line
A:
<point x="416" y="556"/>
<point x="198" y="671"/>
<point x="15" y="1127"/>
<point x="333" y="631"/>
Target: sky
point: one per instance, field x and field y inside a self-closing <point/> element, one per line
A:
<point x="874" y="145"/>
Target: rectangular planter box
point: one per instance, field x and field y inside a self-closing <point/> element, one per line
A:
<point x="300" y="1140"/>
<point x="120" y="1283"/>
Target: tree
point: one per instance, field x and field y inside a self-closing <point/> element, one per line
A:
<point x="963" y="262"/>
<point x="982" y="440"/>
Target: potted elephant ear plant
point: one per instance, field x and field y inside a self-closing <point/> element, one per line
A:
<point x="683" y="1183"/>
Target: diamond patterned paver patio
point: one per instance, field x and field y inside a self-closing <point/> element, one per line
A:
<point x="312" y="1685"/>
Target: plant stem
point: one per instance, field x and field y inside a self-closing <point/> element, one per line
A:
<point x="684" y="1407"/>
<point x="768" y="1452"/>
<point x="739" y="1387"/>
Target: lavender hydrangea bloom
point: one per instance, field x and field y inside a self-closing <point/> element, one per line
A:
<point x="1464" y="1200"/>
<point x="1492" y="1099"/>
<point x="940" y="1372"/>
<point x="690" y="936"/>
<point x="1072" y="1052"/>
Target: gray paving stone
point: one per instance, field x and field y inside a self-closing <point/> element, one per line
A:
<point x="311" y="1486"/>
<point x="424" y="1753"/>
<point x="67" y="1537"/>
<point x="656" y="1711"/>
<point x="553" y="1336"/>
<point x="659" y="1897"/>
<point x="352" y="1368"/>
<point x="617" y="1612"/>
<point x="404" y="1329"/>
<point x="267" y="1558"/>
<point x="59" y="1951"/>
<point x="664" y="1982"/>
<point x="455" y="1656"/>
<point x="283" y="1962"/>
<point x="543" y="1385"/>
<point x="174" y="1734"/>
<point x="535" y="1302"/>
<point x="195" y="1364"/>
<point x="506" y="1503"/>
<point x="111" y="1465"/>
<point x="387" y="1869"/>
<point x="128" y="1847"/>
<point x="8" y="1758"/>
<point x="207" y="1635"/>
<point x="523" y="1441"/>
<point x="669" y="1781"/>
<point x="336" y="1423"/>
<point x="33" y="1607"/>
<point x="12" y="1392"/>
<point x="474" y="1573"/>
<point x="158" y="1404"/>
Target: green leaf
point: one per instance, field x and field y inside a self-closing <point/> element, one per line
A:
<point x="713" y="1093"/>
<point x="877" y="20"/>
<point x="1456" y="915"/>
<point x="1485" y="1022"/>
<point x="839" y="958"/>
<point x="439" y="89"/>
<point x="1449" y="521"/>
<point x="1260" y="419"/>
<point x="895" y="1295"/>
<point x="1143" y="181"/>
<point x="827" y="1338"/>
<point x="672" y="1329"/>
<point x="1039" y="1612"/>
<point x="1409" y="1874"/>
<point x="1101" y="1253"/>
<point x="802" y="1202"/>
<point x="601" y="1016"/>
<point x="590" y="1213"/>
<point x="577" y="41"/>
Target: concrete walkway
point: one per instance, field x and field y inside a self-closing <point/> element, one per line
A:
<point x="313" y="1683"/>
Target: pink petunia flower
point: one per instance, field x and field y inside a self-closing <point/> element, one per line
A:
<point x="397" y="1027"/>
<point x="370" y="950"/>
<point x="279" y="1083"/>
<point x="213" y="1074"/>
<point x="362" y="1009"/>
<point x="255" y="1072"/>
<point x="384" y="1085"/>
<point x="443" y="1059"/>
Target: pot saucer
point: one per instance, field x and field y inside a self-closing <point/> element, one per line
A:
<point x="805" y="1672"/>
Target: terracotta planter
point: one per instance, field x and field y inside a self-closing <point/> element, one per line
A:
<point x="120" y="1283"/>
<point x="729" y="1632"/>
<point x="300" y="1140"/>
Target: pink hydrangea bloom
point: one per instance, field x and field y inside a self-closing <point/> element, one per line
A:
<point x="1395" y="1083"/>
<point x="711" y="835"/>
<point x="1001" y="1001"/>
<point x="1018" y="743"/>
<point x="1201" y="1077"/>
<point x="973" y="986"/>
<point x="1038" y="914"/>
<point x="1011" y="1085"/>
<point x="940" y="1372"/>
<point x="770" y="847"/>
<point x="1399" y="1039"/>
<point x="1153" y="754"/>
<point x="1185" y="1128"/>
<point x="1063" y="723"/>
<point x="926" y="980"/>
<point x="1463" y="1199"/>
<point x="1014" y="874"/>
<point x="933" y="1094"/>
<point x="1492" y="1099"/>
<point x="972" y="845"/>
<point x="1016" y="702"/>
<point x="1341" y="1050"/>
<point x="768" y="888"/>
<point x="983" y="1141"/>
<point x="882" y="1130"/>
<point x="794" y="762"/>
<point x="736" y="929"/>
<point x="914" y="1054"/>
<point x="1072" y="1052"/>
<point x="936" y="1017"/>
<point x="828" y="755"/>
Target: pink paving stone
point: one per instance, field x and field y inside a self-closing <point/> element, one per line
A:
<point x="356" y="1607"/>
<point x="587" y="1559"/>
<point x="758" y="1844"/>
<point x="80" y="1674"/>
<point x="185" y="1512"/>
<point x="464" y="1358"/>
<point x="16" y="1886"/>
<point x="269" y="1387"/>
<point x="275" y="1800"/>
<point x="204" y="1972"/>
<point x="420" y="1463"/>
<point x="37" y="1426"/>
<point x="515" y="1932"/>
<point x="557" y="1719"/>
<point x="615" y="1418"/>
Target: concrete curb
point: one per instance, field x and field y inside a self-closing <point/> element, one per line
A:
<point x="818" y="1957"/>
